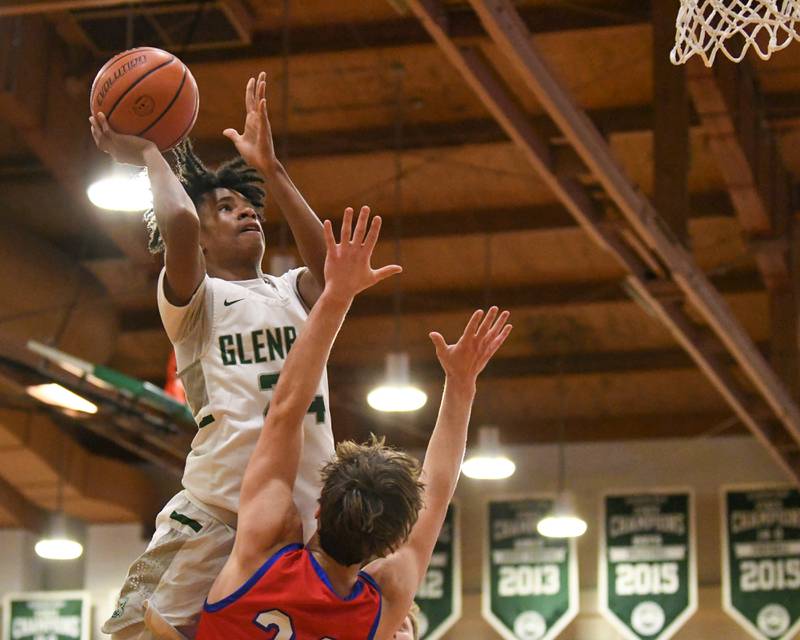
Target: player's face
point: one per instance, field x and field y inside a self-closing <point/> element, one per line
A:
<point x="405" y="632"/>
<point x="231" y="228"/>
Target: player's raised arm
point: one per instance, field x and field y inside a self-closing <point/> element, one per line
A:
<point x="256" y="146"/>
<point x="175" y="213"/>
<point x="401" y="573"/>
<point x="266" y="497"/>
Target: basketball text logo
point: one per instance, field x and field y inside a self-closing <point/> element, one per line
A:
<point x="130" y="64"/>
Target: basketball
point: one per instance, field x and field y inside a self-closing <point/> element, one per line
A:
<point x="147" y="92"/>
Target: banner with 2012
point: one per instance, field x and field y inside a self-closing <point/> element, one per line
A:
<point x="439" y="595"/>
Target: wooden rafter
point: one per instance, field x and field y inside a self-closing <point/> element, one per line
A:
<point x="510" y="34"/>
<point x="539" y="296"/>
<point x="27" y="515"/>
<point x="671" y="125"/>
<point x="728" y="102"/>
<point x="91" y="476"/>
<point x="36" y="102"/>
<point x="31" y="7"/>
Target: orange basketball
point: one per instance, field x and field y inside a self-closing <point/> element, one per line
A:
<point x="147" y="92"/>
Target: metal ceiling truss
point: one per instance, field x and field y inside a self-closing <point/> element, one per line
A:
<point x="636" y="236"/>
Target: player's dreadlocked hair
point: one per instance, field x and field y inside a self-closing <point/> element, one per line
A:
<point x="198" y="180"/>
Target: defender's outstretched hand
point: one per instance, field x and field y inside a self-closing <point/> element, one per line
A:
<point x="255" y="144"/>
<point x="123" y="148"/>
<point x="347" y="264"/>
<point x="480" y="341"/>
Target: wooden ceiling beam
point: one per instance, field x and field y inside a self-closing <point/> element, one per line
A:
<point x="33" y="7"/>
<point x="351" y="421"/>
<point x="419" y="136"/>
<point x="539" y="296"/>
<point x="53" y="123"/>
<point x="93" y="477"/>
<point x="655" y="251"/>
<point x="729" y="104"/>
<point x="671" y="125"/>
<point x="534" y="366"/>
<point x="353" y="36"/>
<point x="26" y="514"/>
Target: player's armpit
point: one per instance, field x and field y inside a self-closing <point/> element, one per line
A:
<point x="398" y="580"/>
<point x="308" y="288"/>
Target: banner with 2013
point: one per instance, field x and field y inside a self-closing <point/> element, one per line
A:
<point x="530" y="585"/>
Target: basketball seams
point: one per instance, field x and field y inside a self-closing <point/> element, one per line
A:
<point x="180" y="109"/>
<point x="191" y="121"/>
<point x="135" y="83"/>
<point x="168" y="107"/>
<point x="117" y="58"/>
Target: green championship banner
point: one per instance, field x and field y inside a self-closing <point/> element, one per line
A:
<point x="439" y="595"/>
<point x="530" y="583"/>
<point x="47" y="615"/>
<point x="647" y="580"/>
<point x="761" y="560"/>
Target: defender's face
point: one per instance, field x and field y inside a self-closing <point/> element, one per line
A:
<point x="230" y="228"/>
<point x="405" y="632"/>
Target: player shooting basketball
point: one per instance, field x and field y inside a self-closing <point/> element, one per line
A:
<point x="232" y="327"/>
<point x="373" y="503"/>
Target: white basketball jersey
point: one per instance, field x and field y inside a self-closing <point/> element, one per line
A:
<point x="231" y="341"/>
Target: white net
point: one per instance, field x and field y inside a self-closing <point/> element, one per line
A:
<point x="707" y="27"/>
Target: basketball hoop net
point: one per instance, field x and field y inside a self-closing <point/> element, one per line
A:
<point x="706" y="27"/>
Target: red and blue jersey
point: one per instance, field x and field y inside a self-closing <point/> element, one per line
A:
<point x="291" y="598"/>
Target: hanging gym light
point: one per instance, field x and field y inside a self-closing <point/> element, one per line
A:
<point x="125" y="189"/>
<point x="54" y="394"/>
<point x="488" y="462"/>
<point x="562" y="521"/>
<point x="397" y="393"/>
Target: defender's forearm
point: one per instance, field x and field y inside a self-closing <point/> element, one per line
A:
<point x="306" y="362"/>
<point x="448" y="442"/>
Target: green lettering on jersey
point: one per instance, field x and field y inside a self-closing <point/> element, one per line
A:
<point x="275" y="343"/>
<point x="266" y="381"/>
<point x="240" y="350"/>
<point x="258" y="345"/>
<point x="226" y="350"/>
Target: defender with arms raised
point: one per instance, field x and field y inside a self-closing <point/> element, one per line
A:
<point x="372" y="504"/>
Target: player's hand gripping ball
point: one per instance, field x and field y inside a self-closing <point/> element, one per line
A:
<point x="149" y="93"/>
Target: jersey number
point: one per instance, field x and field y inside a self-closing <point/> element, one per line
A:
<point x="267" y="381"/>
<point x="276" y="623"/>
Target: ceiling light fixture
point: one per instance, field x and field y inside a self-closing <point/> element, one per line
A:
<point x="397" y="393"/>
<point x="54" y="394"/>
<point x="562" y="521"/>
<point x="488" y="462"/>
<point x="58" y="549"/>
<point x="123" y="190"/>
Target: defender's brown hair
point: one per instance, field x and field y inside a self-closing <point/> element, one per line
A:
<point x="370" y="500"/>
